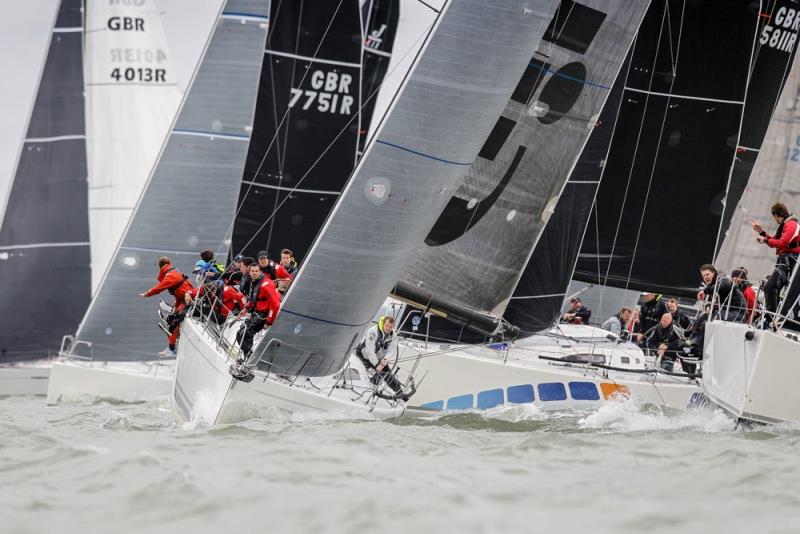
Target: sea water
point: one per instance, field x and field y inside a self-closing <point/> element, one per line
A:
<point x="101" y="467"/>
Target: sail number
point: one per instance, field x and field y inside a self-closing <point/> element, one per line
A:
<point x="783" y="31"/>
<point x="330" y="93"/>
<point x="144" y="74"/>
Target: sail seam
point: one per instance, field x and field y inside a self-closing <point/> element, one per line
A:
<point x="567" y="77"/>
<point x="538" y="296"/>
<point x="54" y="138"/>
<point x="46" y="245"/>
<point x="238" y="15"/>
<point x="429" y="156"/>
<point x="76" y="29"/>
<point x="144" y="249"/>
<point x="293" y="190"/>
<point x="323" y="320"/>
<point x="685" y="97"/>
<point x="203" y="133"/>
<point x="312" y="59"/>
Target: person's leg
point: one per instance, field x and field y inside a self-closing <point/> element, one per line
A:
<point x="771" y="291"/>
<point x="254" y="326"/>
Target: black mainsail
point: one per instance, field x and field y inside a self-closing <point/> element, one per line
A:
<point x="44" y="234"/>
<point x="306" y="129"/>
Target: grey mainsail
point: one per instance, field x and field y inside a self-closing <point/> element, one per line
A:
<point x="774" y="178"/>
<point x="488" y="229"/>
<point x="191" y="194"/>
<point x="44" y="237"/>
<point x="464" y="77"/>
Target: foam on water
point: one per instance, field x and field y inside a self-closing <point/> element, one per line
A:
<point x="631" y="416"/>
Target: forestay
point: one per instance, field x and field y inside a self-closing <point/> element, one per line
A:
<point x="44" y="238"/>
<point x="475" y="252"/>
<point x="190" y="196"/>
<point x="453" y="97"/>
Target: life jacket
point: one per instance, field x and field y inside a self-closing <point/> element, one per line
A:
<point x="178" y="284"/>
<point x="382" y="342"/>
<point x="794" y="243"/>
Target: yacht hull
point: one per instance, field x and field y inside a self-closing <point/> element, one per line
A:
<point x="75" y="380"/>
<point x="24" y="379"/>
<point x="751" y="374"/>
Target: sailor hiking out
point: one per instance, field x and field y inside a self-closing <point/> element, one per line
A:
<point x="178" y="285"/>
<point x="217" y="300"/>
<point x="263" y="305"/>
<point x="786" y="243"/>
<point x="375" y="349"/>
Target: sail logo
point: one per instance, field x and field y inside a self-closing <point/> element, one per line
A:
<point x="375" y="38"/>
<point x="329" y="93"/>
<point x="782" y="34"/>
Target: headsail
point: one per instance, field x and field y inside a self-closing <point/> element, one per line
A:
<point x="659" y="205"/>
<point x="305" y="134"/>
<point x="44" y="237"/>
<point x="191" y="193"/>
<point x="420" y="153"/>
<point x="475" y="252"/>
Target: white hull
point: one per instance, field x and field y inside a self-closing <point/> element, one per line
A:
<point x="24" y="379"/>
<point x="75" y="380"/>
<point x="205" y="392"/>
<point x="481" y="378"/>
<point x="752" y="379"/>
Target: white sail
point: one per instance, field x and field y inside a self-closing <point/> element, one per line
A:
<point x="133" y="89"/>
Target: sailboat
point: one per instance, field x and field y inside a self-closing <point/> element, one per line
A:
<point x="662" y="103"/>
<point x="748" y="371"/>
<point x="45" y="220"/>
<point x="192" y="186"/>
<point x="419" y="152"/>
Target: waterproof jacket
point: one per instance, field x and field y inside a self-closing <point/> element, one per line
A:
<point x="787" y="238"/>
<point x="750" y="297"/>
<point x="172" y="280"/>
<point x="229" y="301"/>
<point x="375" y="345"/>
<point x="276" y="271"/>
<point x="650" y="314"/>
<point x="730" y="298"/>
<point x="264" y="298"/>
<point x="667" y="336"/>
<point x="582" y="315"/>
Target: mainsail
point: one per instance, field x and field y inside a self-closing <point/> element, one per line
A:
<point x="44" y="237"/>
<point x="660" y="203"/>
<point x="305" y="134"/>
<point x="774" y="178"/>
<point x="132" y="96"/>
<point x="484" y="236"/>
<point x="465" y="74"/>
<point x="191" y="193"/>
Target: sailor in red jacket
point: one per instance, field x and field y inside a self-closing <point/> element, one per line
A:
<point x="263" y="305"/>
<point x="739" y="278"/>
<point x="786" y="243"/>
<point x="172" y="280"/>
<point x="221" y="298"/>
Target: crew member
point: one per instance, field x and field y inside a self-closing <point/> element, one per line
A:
<point x="679" y="318"/>
<point x="263" y="305"/>
<point x="244" y="281"/>
<point x="378" y="345"/>
<point x="665" y="341"/>
<point x="650" y="313"/>
<point x="233" y="274"/>
<point x="220" y="299"/>
<point x="730" y="303"/>
<point x="786" y="243"/>
<point x="270" y="269"/>
<point x="616" y="323"/>
<point x="577" y="314"/>
<point x="207" y="268"/>
<point x="288" y="262"/>
<point x="739" y="278"/>
<point x="172" y="280"/>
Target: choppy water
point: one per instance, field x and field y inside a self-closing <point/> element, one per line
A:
<point x="128" y="468"/>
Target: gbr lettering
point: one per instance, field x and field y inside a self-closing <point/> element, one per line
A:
<point x="782" y="34"/>
<point x="329" y="93"/>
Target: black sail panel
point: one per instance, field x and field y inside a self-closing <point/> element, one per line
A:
<point x="539" y="295"/>
<point x="660" y="202"/>
<point x="44" y="239"/>
<point x="305" y="133"/>
<point x="379" y="33"/>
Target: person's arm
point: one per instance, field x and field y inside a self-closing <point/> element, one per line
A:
<point x="281" y="273"/>
<point x="615" y="327"/>
<point x="274" y="302"/>
<point x="783" y="240"/>
<point x="584" y="313"/>
<point x="164" y="284"/>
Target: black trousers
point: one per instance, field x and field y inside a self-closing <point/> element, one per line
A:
<point x="388" y="377"/>
<point x="252" y="326"/>
<point x="777" y="280"/>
